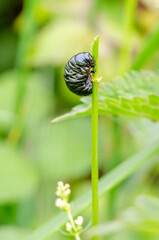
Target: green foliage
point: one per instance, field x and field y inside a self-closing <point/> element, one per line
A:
<point x="106" y="183"/>
<point x="136" y="94"/>
<point x="18" y="178"/>
<point x="6" y="116"/>
<point x="37" y="97"/>
<point x="70" y="32"/>
<point x="49" y="33"/>
<point x="150" y="46"/>
<point x="143" y="217"/>
<point x="12" y="232"/>
<point x="66" y="152"/>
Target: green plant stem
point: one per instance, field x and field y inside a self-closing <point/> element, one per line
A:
<point x="77" y="237"/>
<point x="124" y="62"/>
<point x="71" y="220"/>
<point x="95" y="138"/>
<point x="26" y="33"/>
<point x="129" y="15"/>
<point x="150" y="46"/>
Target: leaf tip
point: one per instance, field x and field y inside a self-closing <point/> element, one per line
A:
<point x="96" y="38"/>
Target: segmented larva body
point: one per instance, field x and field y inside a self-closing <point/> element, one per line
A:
<point x="78" y="73"/>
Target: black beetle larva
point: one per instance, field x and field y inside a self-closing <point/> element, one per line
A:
<point x="78" y="73"/>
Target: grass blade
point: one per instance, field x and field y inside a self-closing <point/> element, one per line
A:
<point x="129" y="16"/>
<point x="151" y="45"/>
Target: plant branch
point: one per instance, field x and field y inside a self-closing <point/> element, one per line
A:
<point x="77" y="237"/>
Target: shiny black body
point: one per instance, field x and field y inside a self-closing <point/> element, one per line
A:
<point x="78" y="73"/>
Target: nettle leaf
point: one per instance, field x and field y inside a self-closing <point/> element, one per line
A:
<point x="135" y="94"/>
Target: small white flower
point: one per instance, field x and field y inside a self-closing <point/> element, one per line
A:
<point x="67" y="185"/>
<point x="67" y="192"/>
<point x="62" y="204"/>
<point x="68" y="227"/>
<point x="63" y="190"/>
<point x="60" y="184"/>
<point x="58" y="202"/>
<point x="57" y="193"/>
<point x="79" y="221"/>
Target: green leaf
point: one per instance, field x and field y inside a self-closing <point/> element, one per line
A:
<point x="106" y="183"/>
<point x="136" y="94"/>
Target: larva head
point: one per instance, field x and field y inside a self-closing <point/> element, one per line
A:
<point x="84" y="59"/>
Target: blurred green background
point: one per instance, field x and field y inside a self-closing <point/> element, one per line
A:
<point x="37" y="37"/>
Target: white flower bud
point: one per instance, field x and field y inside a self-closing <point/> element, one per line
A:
<point x="67" y="185"/>
<point x="57" y="193"/>
<point x="62" y="204"/>
<point x="79" y="221"/>
<point x="67" y="192"/>
<point x="58" y="202"/>
<point x="60" y="184"/>
<point x="63" y="192"/>
<point x="68" y="227"/>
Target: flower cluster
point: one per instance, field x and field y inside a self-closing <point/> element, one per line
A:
<point x="77" y="225"/>
<point x="63" y="192"/>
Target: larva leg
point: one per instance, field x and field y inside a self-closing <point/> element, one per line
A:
<point x="93" y="71"/>
<point x="93" y="65"/>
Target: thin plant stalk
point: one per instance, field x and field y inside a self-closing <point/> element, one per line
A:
<point x="95" y="138"/>
<point x="150" y="46"/>
<point x="26" y="34"/>
<point x="129" y="16"/>
<point x="77" y="237"/>
<point x="124" y="61"/>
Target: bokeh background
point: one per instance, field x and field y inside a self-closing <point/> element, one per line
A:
<point x="37" y="37"/>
